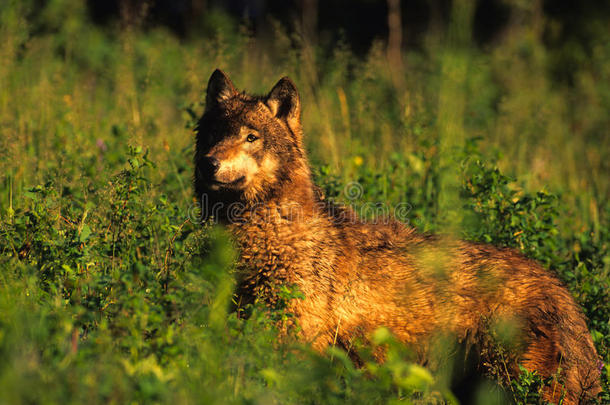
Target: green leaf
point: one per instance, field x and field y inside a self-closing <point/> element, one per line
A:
<point x="85" y="232"/>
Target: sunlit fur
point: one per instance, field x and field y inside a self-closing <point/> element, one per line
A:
<point x="357" y="277"/>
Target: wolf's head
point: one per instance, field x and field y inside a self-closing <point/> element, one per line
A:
<point x="247" y="146"/>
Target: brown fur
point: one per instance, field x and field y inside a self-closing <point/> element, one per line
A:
<point x="357" y="277"/>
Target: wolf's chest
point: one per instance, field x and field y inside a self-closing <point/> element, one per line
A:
<point x="275" y="253"/>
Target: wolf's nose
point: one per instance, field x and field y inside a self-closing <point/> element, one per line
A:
<point x="211" y="164"/>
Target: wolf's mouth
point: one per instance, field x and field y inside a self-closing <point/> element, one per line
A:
<point x="228" y="184"/>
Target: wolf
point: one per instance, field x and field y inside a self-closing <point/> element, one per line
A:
<point x="252" y="171"/>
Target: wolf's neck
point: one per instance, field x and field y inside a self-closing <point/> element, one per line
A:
<point x="297" y="191"/>
<point x="293" y="201"/>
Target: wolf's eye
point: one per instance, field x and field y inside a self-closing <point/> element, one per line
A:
<point x="251" y="138"/>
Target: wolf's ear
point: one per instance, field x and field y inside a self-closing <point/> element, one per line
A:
<point x="220" y="88"/>
<point x="283" y="101"/>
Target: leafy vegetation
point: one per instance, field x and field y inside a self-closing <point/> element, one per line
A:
<point x="111" y="293"/>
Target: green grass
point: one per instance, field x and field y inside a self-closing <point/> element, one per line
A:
<point x="109" y="294"/>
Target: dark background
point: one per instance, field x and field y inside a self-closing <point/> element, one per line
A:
<point x="358" y="22"/>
